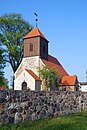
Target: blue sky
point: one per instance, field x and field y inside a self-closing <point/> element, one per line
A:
<point x="64" y="24"/>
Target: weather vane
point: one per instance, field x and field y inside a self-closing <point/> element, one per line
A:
<point x="36" y="18"/>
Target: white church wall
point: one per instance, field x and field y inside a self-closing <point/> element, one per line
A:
<point x="19" y="70"/>
<point x="24" y="76"/>
<point x="31" y="63"/>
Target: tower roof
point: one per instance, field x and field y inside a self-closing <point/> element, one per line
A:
<point x="35" y="33"/>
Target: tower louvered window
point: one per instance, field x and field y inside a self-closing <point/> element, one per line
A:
<point x="31" y="47"/>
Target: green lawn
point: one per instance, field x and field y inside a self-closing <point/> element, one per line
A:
<point x="72" y="122"/>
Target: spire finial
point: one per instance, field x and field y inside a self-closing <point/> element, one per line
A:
<point x="36" y="18"/>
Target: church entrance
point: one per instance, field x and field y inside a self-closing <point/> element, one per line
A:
<point x="24" y="86"/>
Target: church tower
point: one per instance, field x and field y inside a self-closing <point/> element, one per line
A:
<point x="35" y="44"/>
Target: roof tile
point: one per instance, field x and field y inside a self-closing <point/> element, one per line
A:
<point x="33" y="74"/>
<point x="53" y="62"/>
<point x="35" y="33"/>
<point x="68" y="80"/>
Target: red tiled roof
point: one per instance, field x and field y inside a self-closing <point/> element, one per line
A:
<point x="35" y="33"/>
<point x="2" y="88"/>
<point x="53" y="62"/>
<point x="33" y="74"/>
<point x="68" y="80"/>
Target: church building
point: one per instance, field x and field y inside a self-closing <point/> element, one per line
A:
<point x="35" y="55"/>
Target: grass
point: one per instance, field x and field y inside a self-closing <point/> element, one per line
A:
<point x="71" y="122"/>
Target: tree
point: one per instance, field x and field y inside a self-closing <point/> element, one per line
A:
<point x="3" y="81"/>
<point x="12" y="30"/>
<point x="50" y="77"/>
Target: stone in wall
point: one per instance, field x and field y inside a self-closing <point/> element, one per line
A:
<point x="20" y="106"/>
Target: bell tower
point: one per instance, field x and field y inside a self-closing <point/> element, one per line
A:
<point x="35" y="44"/>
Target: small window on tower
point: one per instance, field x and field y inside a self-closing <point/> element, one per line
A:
<point x="31" y="47"/>
<point x="43" y="48"/>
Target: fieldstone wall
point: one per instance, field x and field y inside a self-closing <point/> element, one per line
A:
<point x="20" y="106"/>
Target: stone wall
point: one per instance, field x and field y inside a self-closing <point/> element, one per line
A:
<point x="20" y="106"/>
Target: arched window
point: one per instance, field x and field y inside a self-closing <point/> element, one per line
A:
<point x="43" y="48"/>
<point x="24" y="86"/>
<point x="31" y="47"/>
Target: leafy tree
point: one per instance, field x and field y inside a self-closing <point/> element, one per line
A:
<point x="1" y="63"/>
<point x="12" y="30"/>
<point x="50" y="77"/>
<point x="3" y="81"/>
